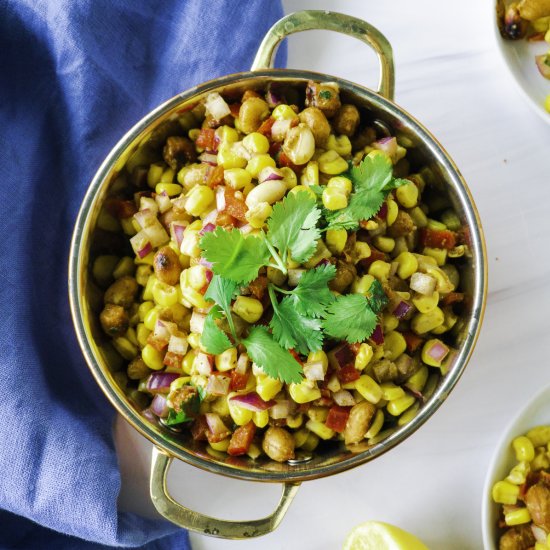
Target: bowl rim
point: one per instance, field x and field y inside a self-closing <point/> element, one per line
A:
<point x="82" y="229"/>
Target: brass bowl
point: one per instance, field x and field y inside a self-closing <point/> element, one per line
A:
<point x="141" y="145"/>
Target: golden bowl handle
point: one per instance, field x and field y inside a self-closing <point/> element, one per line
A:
<point x="188" y="519"/>
<point x="331" y="21"/>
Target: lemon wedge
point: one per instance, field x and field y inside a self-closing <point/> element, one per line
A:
<point x="376" y="535"/>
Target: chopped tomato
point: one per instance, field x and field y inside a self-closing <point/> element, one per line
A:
<point x="238" y="380"/>
<point x="158" y="343"/>
<point x="337" y="418"/>
<point x="224" y="219"/>
<point x="452" y="298"/>
<point x="296" y="356"/>
<point x="215" y="176"/>
<point x="265" y="126"/>
<point x="345" y="355"/>
<point x="377" y="336"/>
<point x="207" y="140"/>
<point x="235" y="108"/>
<point x="199" y="428"/>
<point x="348" y="374"/>
<point x="258" y="287"/>
<point x="234" y="206"/>
<point x="436" y="238"/>
<point x="375" y="254"/>
<point x="216" y="438"/>
<point x="383" y="212"/>
<point x="413" y="341"/>
<point x="173" y="360"/>
<point x="285" y="161"/>
<point x="241" y="439"/>
<point x="274" y="148"/>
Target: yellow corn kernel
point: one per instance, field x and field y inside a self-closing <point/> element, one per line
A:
<point x="248" y="309"/>
<point x="128" y="226"/>
<point x="425" y="304"/>
<point x="194" y="340"/>
<point x="125" y="348"/>
<point x="407" y="195"/>
<point x="437" y="225"/>
<point x="131" y="336"/>
<point x="318" y="414"/>
<point x="517" y="517"/>
<point x="417" y="381"/>
<point x="165" y="295"/>
<point x="505" y="492"/>
<point x="125" y="266"/>
<point x="229" y="159"/>
<point x="518" y="474"/>
<point x="188" y="360"/>
<point x="408" y="415"/>
<point x="310" y="175"/>
<point x="394" y="345"/>
<point x="425" y="322"/>
<point x="142" y="274"/>
<point x="167" y="176"/>
<point x="393" y="210"/>
<point x="190" y="243"/>
<point x="362" y="285"/>
<point x="418" y="216"/>
<point x="300" y="437"/>
<point x="380" y="270"/>
<point x="318" y="357"/>
<point x="219" y="406"/>
<point x="227" y="135"/>
<point x="304" y="392"/>
<point x="256" y="143"/>
<point x="103" y="268"/>
<point x="341" y="183"/>
<point x="389" y="322"/>
<point x="334" y="199"/>
<point x="376" y="425"/>
<point x="390" y="391"/>
<point x="171" y="189"/>
<point x="400" y="405"/>
<point x="193" y="297"/>
<point x="154" y="174"/>
<point x="524" y="449"/>
<point x="385" y="244"/>
<point x="237" y="178"/>
<point x="540" y="462"/>
<point x="257" y="163"/>
<point x="196" y="276"/>
<point x="340" y="144"/>
<point x="332" y="163"/>
<point x="439" y="254"/>
<point x="220" y="446"/>
<point x="199" y="199"/>
<point x="311" y="442"/>
<point x="240" y="415"/>
<point x="150" y="319"/>
<point x="363" y="357"/>
<point x="267" y="388"/>
<point x="321" y="253"/>
<point x="144" y="308"/>
<point x="407" y="265"/>
<point x="152" y="357"/>
<point x="284" y="112"/>
<point x="289" y="177"/>
<point x="295" y="421"/>
<point x="539" y="436"/>
<point x="261" y="418"/>
<point x="336" y="240"/>
<point x="276" y="276"/>
<point x="301" y="188"/>
<point x="369" y="389"/>
<point x="541" y="24"/>
<point x="258" y="214"/>
<point x="254" y="451"/>
<point x="362" y="251"/>
<point x="319" y="429"/>
<point x="142" y="333"/>
<point x="227" y="360"/>
<point x="425" y="354"/>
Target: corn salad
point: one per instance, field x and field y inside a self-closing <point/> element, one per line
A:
<point x="227" y="163"/>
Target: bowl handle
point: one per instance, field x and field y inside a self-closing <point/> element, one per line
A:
<point x="188" y="519"/>
<point x="331" y="21"/>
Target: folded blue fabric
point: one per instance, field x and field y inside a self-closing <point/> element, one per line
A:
<point x="74" y="76"/>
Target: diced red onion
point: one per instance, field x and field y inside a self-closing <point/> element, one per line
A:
<point x="344" y="356"/>
<point x="205" y="263"/>
<point x="196" y="324"/>
<point x="344" y="398"/>
<point x="402" y="310"/>
<point x="377" y="336"/>
<point x="211" y="217"/>
<point x="159" y="382"/>
<point x="273" y="98"/>
<point x="203" y="364"/>
<point x="438" y="351"/>
<point x="141" y="244"/>
<point x="159" y="405"/>
<point x="163" y="201"/>
<point x="176" y="232"/>
<point x="207" y="228"/>
<point x="164" y="329"/>
<point x="218" y="384"/>
<point x="324" y="261"/>
<point x="269" y="173"/>
<point x="178" y="344"/>
<point x="148" y="414"/>
<point x="148" y="203"/>
<point x="215" y="424"/>
<point x="156" y="233"/>
<point x="145" y="217"/>
<point x="209" y="158"/>
<point x="220" y="199"/>
<point x="251" y="401"/>
<point x="422" y="283"/>
<point x="216" y="105"/>
<point x="314" y="370"/>
<point x="383" y="212"/>
<point x="209" y="275"/>
<point x="388" y="145"/>
<point x="281" y="409"/>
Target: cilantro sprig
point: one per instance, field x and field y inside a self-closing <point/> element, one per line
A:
<point x="372" y="180"/>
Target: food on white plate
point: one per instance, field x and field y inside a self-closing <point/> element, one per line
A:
<point x="292" y="278"/>
<point x="377" y="535"/>
<point x="524" y="494"/>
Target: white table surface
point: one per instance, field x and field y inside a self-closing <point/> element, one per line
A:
<point x="448" y="75"/>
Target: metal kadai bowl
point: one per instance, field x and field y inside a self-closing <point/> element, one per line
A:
<point x="142" y="145"/>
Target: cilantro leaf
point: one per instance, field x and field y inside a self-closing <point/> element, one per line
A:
<point x="188" y="410"/>
<point x="275" y="361"/>
<point x="213" y="338"/>
<point x="293" y="330"/>
<point x="350" y="318"/>
<point x="221" y="291"/>
<point x="292" y="226"/>
<point x="233" y="255"/>
<point x="312" y="295"/>
<point x="372" y="181"/>
<point x="377" y="298"/>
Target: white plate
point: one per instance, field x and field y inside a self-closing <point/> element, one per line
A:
<point x="535" y="413"/>
<point x="519" y="57"/>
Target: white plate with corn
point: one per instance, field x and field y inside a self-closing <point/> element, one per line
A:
<point x="523" y="448"/>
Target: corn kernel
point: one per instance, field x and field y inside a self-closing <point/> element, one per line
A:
<point x="369" y="389"/>
<point x="257" y="163"/>
<point x="407" y="195"/>
<point x="128" y="226"/>
<point x="254" y="451"/>
<point x="524" y="449"/>
<point x="142" y="333"/>
<point x="294" y="421"/>
<point x="332" y="163"/>
<point x="393" y="210"/>
<point x="171" y="189"/>
<point x="425" y="322"/>
<point x="400" y="405"/>
<point x="363" y="357"/>
<point x="505" y="492"/>
<point x="301" y="188"/>
<point x="227" y="135"/>
<point x="518" y="474"/>
<point x="196" y="276"/>
<point x="340" y="144"/>
<point x="154" y="174"/>
<point x="220" y="446"/>
<point x="261" y="418"/>
<point x="319" y="429"/>
<point x="321" y="253"/>
<point x="237" y="178"/>
<point x="390" y="391"/>
<point x="439" y="254"/>
<point x="167" y="176"/>
<point x="408" y="415"/>
<point x="150" y="285"/>
<point x="394" y="344"/>
<point x="188" y="360"/>
<point x="304" y="392"/>
<point x="336" y="240"/>
<point x="165" y="295"/>
<point x="517" y="517"/>
<point x="362" y="251"/>
<point x="125" y="347"/>
<point x="199" y="199"/>
<point x="248" y="309"/>
<point x="267" y="388"/>
<point x="256" y="143"/>
<point x="389" y="323"/>
<point x="334" y="199"/>
<point x="311" y="442"/>
<point x="362" y="285"/>
<point x="310" y="174"/>
<point x="380" y="270"/>
<point x="541" y="24"/>
<point x="341" y="183"/>
<point x="229" y="159"/>
<point x="289" y="177"/>
<point x="318" y="357"/>
<point x="539" y="436"/>
<point x="258" y="214"/>
<point x="125" y="266"/>
<point x="385" y="244"/>
<point x="227" y="360"/>
<point x="284" y="112"/>
<point x="190" y="243"/>
<point x="376" y="425"/>
<point x="419" y="217"/>
<point x="240" y="415"/>
<point x="152" y="357"/>
<point x="150" y="319"/>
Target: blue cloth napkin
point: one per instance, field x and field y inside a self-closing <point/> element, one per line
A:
<point x="74" y="76"/>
